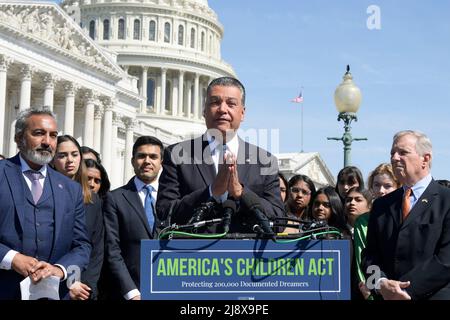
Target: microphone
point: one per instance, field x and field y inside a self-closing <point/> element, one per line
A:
<point x="201" y="212"/>
<point x="252" y="203"/>
<point x="229" y="208"/>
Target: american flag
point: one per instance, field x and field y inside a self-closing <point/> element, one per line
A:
<point x="298" y="99"/>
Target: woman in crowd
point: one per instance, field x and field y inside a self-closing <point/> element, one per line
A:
<point x="327" y="206"/>
<point x="89" y="153"/>
<point x="68" y="161"/>
<point x="300" y="190"/>
<point x="347" y="178"/>
<point x="357" y="203"/>
<point x="98" y="180"/>
<point x="381" y="182"/>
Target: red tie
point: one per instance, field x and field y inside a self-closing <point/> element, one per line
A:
<point x="406" y="204"/>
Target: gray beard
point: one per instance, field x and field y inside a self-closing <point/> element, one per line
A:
<point x="37" y="157"/>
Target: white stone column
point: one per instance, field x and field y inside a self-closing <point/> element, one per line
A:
<point x="163" y="90"/>
<point x="25" y="87"/>
<point x="189" y="100"/>
<point x="144" y="77"/>
<point x="158" y="95"/>
<point x="13" y="97"/>
<point x="97" y="128"/>
<point x="196" y="96"/>
<point x="129" y="141"/>
<point x="4" y="64"/>
<point x="107" y="133"/>
<point x="69" y="110"/>
<point x="180" y="92"/>
<point x="49" y="81"/>
<point x="115" y="175"/>
<point x="12" y="143"/>
<point x="175" y="87"/>
<point x="88" y="132"/>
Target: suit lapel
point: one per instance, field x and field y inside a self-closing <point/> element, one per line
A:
<point x="422" y="204"/>
<point x="17" y="184"/>
<point x="56" y="187"/>
<point x="396" y="207"/>
<point x="243" y="160"/>
<point x="132" y="197"/>
<point x="203" y="161"/>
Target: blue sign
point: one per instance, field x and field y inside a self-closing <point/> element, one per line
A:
<point x="245" y="270"/>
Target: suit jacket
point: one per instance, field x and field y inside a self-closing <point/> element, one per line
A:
<point x="417" y="250"/>
<point x="125" y="225"/>
<point x="70" y="242"/>
<point x="189" y="171"/>
<point x="96" y="232"/>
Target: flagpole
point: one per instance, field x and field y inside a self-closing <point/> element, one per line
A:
<point x="302" y="128"/>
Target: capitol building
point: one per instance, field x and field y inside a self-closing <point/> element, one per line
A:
<point x="114" y="70"/>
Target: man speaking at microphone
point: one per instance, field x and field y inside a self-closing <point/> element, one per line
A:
<point x="219" y="165"/>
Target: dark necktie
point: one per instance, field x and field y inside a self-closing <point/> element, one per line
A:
<point x="149" y="207"/>
<point x="36" y="187"/>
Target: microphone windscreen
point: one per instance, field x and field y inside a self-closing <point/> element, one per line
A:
<point x="250" y="200"/>
<point x="231" y="204"/>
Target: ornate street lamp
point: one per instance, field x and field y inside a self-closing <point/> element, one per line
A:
<point x="347" y="98"/>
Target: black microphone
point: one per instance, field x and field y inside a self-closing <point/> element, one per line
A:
<point x="229" y="208"/>
<point x="252" y="203"/>
<point x="201" y="212"/>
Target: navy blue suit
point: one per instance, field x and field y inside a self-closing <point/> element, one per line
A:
<point x="53" y="230"/>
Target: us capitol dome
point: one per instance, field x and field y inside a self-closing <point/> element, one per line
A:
<point x="171" y="46"/>
<point x="111" y="70"/>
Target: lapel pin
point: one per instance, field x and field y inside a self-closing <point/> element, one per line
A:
<point x="60" y="186"/>
<point x="425" y="200"/>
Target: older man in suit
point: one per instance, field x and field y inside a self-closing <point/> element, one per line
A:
<point x="130" y="217"/>
<point x="219" y="165"/>
<point x="409" y="229"/>
<point x="42" y="218"/>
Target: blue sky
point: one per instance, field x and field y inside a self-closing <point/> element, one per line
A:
<point x="403" y="71"/>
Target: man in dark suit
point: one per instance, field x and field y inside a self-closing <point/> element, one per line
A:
<point x="130" y="217"/>
<point x="409" y="229"/>
<point x="219" y="165"/>
<point x="42" y="218"/>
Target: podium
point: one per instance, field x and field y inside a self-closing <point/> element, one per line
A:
<point x="225" y="269"/>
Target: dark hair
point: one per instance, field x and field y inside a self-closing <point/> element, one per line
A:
<point x="79" y="175"/>
<point x="105" y="185"/>
<point x="349" y="173"/>
<point x="283" y="178"/>
<point x="364" y="192"/>
<point x="337" y="218"/>
<point x="143" y="140"/>
<point x="227" y="82"/>
<point x="85" y="149"/>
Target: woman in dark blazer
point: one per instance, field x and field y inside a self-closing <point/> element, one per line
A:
<point x="68" y="160"/>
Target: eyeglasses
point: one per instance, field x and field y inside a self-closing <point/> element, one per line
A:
<point x="300" y="190"/>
